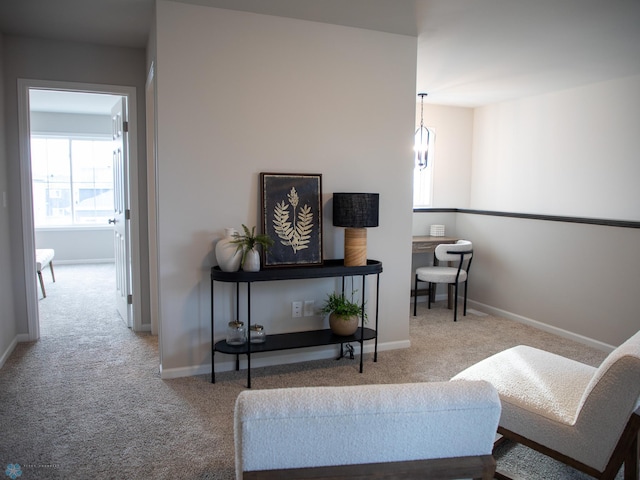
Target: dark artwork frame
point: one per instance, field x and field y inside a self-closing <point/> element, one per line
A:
<point x="291" y="205"/>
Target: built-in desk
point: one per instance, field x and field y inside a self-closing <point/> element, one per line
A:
<point x="428" y="244"/>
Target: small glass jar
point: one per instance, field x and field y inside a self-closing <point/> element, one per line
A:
<point x="236" y="333"/>
<point x="257" y="334"/>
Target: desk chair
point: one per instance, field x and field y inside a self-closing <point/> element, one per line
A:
<point x="462" y="252"/>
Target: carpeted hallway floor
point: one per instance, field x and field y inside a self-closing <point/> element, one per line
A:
<point x="86" y="400"/>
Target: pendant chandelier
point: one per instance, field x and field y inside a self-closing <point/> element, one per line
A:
<point x="422" y="138"/>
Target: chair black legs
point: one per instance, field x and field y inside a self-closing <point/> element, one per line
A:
<point x="430" y="288"/>
<point x="415" y="297"/>
<point x="455" y="303"/>
<point x="465" y="298"/>
<point x="431" y="292"/>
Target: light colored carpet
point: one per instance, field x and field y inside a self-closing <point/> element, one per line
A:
<point x="86" y="400"/>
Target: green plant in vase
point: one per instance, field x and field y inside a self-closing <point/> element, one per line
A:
<point x="344" y="313"/>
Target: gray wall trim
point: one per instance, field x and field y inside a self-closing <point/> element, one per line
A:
<point x="532" y="216"/>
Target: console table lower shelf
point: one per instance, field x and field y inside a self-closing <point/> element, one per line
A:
<point x="289" y="341"/>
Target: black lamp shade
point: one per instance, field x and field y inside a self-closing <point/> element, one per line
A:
<point x="355" y="210"/>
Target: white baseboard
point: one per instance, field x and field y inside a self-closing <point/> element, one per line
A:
<point x="228" y="362"/>
<point x="190" y="371"/>
<point x="321" y="353"/>
<point x="383" y="347"/>
<point x="8" y="351"/>
<point x="439" y="297"/>
<point x="21" y="337"/>
<point x="481" y="307"/>
<point x="540" y="326"/>
<point x="85" y="261"/>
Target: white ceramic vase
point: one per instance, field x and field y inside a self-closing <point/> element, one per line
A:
<point x="227" y="253"/>
<point x="251" y="261"/>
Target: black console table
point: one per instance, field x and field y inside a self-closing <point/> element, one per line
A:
<point x="286" y="341"/>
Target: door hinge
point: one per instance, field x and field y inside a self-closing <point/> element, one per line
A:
<point x="125" y="126"/>
<point x="127" y="214"/>
<point x="129" y="299"/>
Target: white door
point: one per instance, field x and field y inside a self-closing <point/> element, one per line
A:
<point x="121" y="217"/>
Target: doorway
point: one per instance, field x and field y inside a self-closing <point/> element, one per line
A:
<point x="74" y="99"/>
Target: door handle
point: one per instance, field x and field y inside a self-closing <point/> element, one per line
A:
<point x="112" y="220"/>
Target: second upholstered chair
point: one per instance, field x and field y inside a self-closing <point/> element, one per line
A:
<point x="583" y="416"/>
<point x="460" y="252"/>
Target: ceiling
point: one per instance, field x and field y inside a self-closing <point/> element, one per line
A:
<point x="476" y="52"/>
<point x="470" y="52"/>
<point x="71" y="102"/>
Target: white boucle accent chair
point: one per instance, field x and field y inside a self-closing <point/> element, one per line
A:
<point x="583" y="416"/>
<point x="462" y="252"/>
<point x="44" y="257"/>
<point x="439" y="430"/>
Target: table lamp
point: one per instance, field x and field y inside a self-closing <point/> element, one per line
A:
<point x="356" y="212"/>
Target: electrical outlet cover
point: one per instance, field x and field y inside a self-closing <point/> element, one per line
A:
<point x="308" y="308"/>
<point x="296" y="309"/>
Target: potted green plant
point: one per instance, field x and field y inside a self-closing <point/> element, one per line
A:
<point x="248" y="244"/>
<point x="344" y="313"/>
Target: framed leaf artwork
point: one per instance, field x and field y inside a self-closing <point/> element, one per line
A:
<point x="292" y="216"/>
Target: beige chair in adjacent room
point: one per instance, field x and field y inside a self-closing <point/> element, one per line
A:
<point x="462" y="252"/>
<point x="44" y="257"/>
<point x="442" y="430"/>
<point x="583" y="416"/>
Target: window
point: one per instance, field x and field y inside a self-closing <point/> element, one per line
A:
<point x="72" y="181"/>
<point x="423" y="178"/>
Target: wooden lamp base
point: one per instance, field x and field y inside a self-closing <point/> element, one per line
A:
<point x="355" y="247"/>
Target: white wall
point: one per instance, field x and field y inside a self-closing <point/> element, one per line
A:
<point x="79" y="124"/>
<point x="573" y="152"/>
<point x="8" y="327"/>
<point x="580" y="281"/>
<point x="241" y="93"/>
<point x="570" y="153"/>
<point x="78" y="245"/>
<point x="453" y="127"/>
